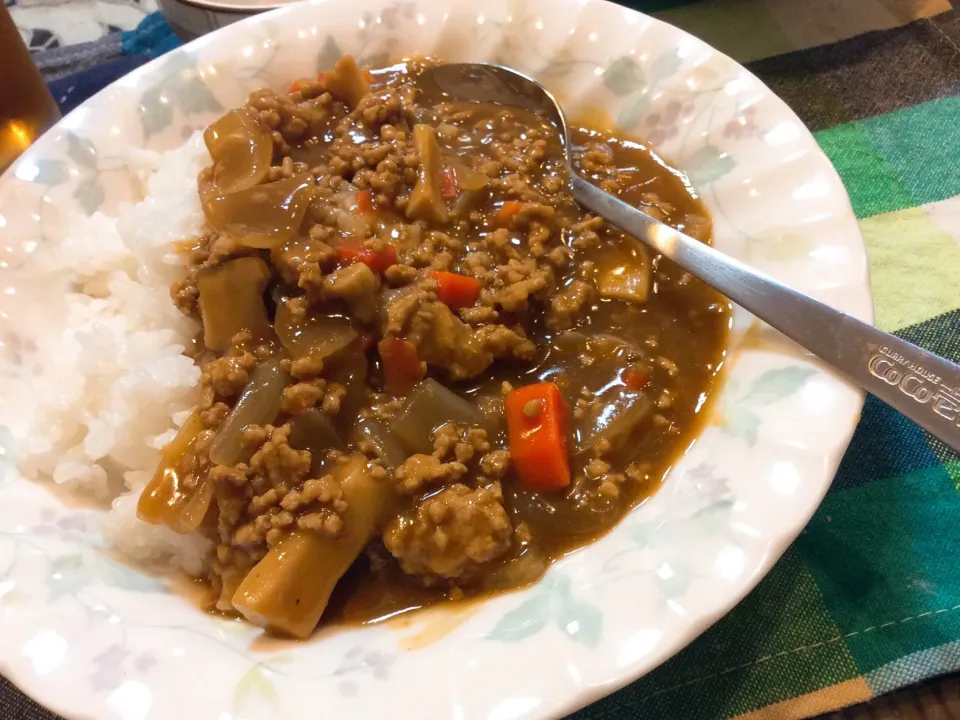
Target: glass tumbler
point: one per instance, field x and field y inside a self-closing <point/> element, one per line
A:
<point x="26" y="107"/>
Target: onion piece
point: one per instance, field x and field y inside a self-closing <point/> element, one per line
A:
<point x="259" y="404"/>
<point x="241" y="150"/>
<point x="384" y="441"/>
<point x="314" y="336"/>
<point x="263" y="216"/>
<point x="231" y="300"/>
<point x="617" y="419"/>
<point x="467" y="178"/>
<point x="350" y="370"/>
<point x="429" y="406"/>
<point x="314" y="431"/>
<point x="525" y="569"/>
<point x="569" y="514"/>
<point x="162" y="500"/>
<point x="624" y="275"/>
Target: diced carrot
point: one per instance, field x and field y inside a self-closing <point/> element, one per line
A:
<point x="537" y="428"/>
<point x="448" y="185"/>
<point x="321" y="77"/>
<point x="507" y="212"/>
<point x="365" y="201"/>
<point x="401" y="365"/>
<point x="368" y="75"/>
<point x="454" y="290"/>
<point x="350" y="251"/>
<point x="297" y="84"/>
<point x="635" y="378"/>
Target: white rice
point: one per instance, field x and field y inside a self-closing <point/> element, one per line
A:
<point x="115" y="383"/>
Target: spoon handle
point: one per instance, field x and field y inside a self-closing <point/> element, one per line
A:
<point x="921" y="385"/>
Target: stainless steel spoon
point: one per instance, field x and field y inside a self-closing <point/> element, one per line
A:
<point x="921" y="385"/>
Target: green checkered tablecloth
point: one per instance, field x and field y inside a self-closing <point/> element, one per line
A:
<point x="868" y="598"/>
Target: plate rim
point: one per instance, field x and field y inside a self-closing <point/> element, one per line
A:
<point x="583" y="695"/>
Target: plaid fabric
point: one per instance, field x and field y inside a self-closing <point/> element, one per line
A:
<point x="868" y="598"/>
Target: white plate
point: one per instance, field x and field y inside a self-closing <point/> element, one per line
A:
<point x="93" y="639"/>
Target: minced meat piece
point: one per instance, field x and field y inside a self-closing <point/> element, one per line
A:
<point x="306" y="368"/>
<point x="527" y="255"/>
<point x="283" y="466"/>
<point x="443" y="340"/>
<point x="452" y="534"/>
<point x="495" y="463"/>
<point x="260" y="503"/>
<point x="301" y="396"/>
<point x="214" y="415"/>
<point x="186" y="296"/>
<point x="518" y="280"/>
<point x="461" y="443"/>
<point x="404" y="303"/>
<point x="566" y="305"/>
<point x="418" y="472"/>
<point x="398" y="275"/>
<point x="228" y="375"/>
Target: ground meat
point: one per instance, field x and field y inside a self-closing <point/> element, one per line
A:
<point x="517" y="281"/>
<point x="599" y="484"/>
<point x="185" y="296"/>
<point x="294" y="257"/>
<point x="479" y="315"/>
<point x="470" y="446"/>
<point x="452" y="534"/>
<point x="495" y="463"/>
<point x="566" y="305"/>
<point x="214" y="415"/>
<point x="419" y="472"/>
<point x="400" y="274"/>
<point x="512" y="225"/>
<point x="293" y="117"/>
<point x="501" y="341"/>
<point x="278" y="463"/>
<point x="586" y="233"/>
<point x="404" y="303"/>
<point x="306" y="368"/>
<point x="301" y="396"/>
<point x="358" y="287"/>
<point x="443" y="340"/>
<point x="260" y="503"/>
<point x="458" y="442"/>
<point x="226" y="376"/>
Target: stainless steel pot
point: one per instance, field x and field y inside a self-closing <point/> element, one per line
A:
<point x="192" y="18"/>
